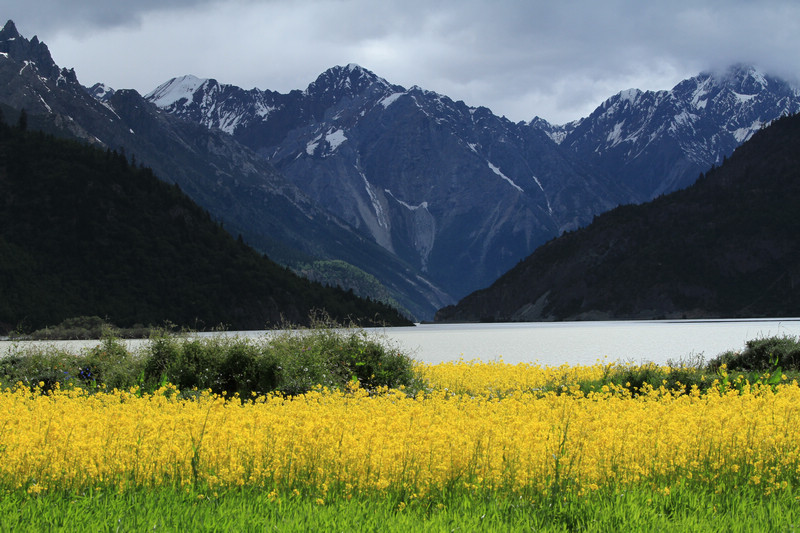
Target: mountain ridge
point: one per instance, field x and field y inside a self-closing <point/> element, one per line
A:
<point x="228" y="179"/>
<point x="660" y="141"/>
<point x="409" y="168"/>
<point x="402" y="165"/>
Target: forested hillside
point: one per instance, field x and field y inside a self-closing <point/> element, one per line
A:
<point x="85" y="231"/>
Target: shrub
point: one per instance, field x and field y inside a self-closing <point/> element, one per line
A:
<point x="685" y="373"/>
<point x="84" y="328"/>
<point x="762" y="355"/>
<point x="111" y="364"/>
<point x="291" y="362"/>
<point x="43" y="365"/>
<point x="634" y="377"/>
<point x="334" y="357"/>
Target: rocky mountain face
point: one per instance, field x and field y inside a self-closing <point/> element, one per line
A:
<point x="658" y="142"/>
<point x="726" y="246"/>
<point x="457" y="192"/>
<point x="233" y="183"/>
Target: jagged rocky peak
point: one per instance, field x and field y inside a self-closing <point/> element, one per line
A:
<point x="21" y="49"/>
<point x="100" y="91"/>
<point x="9" y="31"/>
<point x="349" y="80"/>
<point x="176" y="89"/>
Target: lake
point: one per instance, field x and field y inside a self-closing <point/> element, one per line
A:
<point x="575" y="343"/>
<point x="555" y="343"/>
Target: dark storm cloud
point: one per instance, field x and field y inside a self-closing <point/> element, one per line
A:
<point x="520" y="58"/>
<point x="86" y="15"/>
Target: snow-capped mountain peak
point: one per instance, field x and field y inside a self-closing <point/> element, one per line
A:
<point x="744" y="79"/>
<point x="175" y="89"/>
<point x="658" y="141"/>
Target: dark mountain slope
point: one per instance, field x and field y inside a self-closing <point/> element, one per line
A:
<point x="728" y="246"/>
<point x="84" y="232"/>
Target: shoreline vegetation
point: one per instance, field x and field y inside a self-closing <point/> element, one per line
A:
<point x="87" y="328"/>
<point x="332" y="428"/>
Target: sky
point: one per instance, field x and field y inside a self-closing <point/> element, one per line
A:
<point x="556" y="59"/>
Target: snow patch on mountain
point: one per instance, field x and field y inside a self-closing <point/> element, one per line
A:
<point x="311" y="147"/>
<point x="335" y="138"/>
<point x="49" y="110"/>
<point x="614" y="136"/>
<point x="423" y="205"/>
<point x="174" y="90"/>
<point x="389" y="100"/>
<point x="743" y="98"/>
<point x="262" y="110"/>
<point x="380" y="216"/>
<point x="743" y="134"/>
<point x="499" y="173"/>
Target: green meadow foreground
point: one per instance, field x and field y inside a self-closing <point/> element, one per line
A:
<point x="332" y="430"/>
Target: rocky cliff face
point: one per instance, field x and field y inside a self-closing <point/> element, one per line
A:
<point x="456" y="192"/>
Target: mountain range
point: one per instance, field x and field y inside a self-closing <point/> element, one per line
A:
<point x="428" y="197"/>
<point x="727" y="246"/>
<point x="460" y="193"/>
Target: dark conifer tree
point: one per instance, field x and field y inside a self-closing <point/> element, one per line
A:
<point x="22" y="123"/>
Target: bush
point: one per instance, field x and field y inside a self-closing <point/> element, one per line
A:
<point x="110" y="364"/>
<point x="762" y="355"/>
<point x="290" y="362"/>
<point x="85" y="328"/>
<point x="41" y="367"/>
<point x="224" y="364"/>
<point x="44" y="365"/>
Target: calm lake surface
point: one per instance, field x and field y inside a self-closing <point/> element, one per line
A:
<point x="556" y="343"/>
<point x="585" y="342"/>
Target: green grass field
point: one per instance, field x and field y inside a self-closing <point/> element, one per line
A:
<point x="685" y="508"/>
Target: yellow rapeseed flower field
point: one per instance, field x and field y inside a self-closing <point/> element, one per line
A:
<point x="480" y="426"/>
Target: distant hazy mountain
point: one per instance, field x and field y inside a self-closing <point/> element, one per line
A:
<point x="658" y="142"/>
<point x="728" y="246"/>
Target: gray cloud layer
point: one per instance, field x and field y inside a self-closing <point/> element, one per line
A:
<point x="520" y="58"/>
